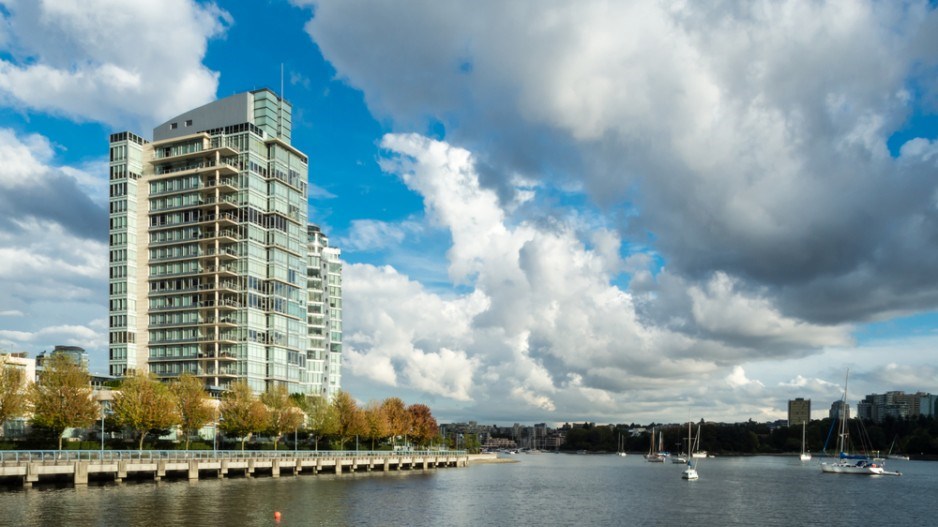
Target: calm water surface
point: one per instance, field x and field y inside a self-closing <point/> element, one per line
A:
<point x="545" y="489"/>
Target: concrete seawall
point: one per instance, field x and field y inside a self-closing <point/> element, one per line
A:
<point x="27" y="468"/>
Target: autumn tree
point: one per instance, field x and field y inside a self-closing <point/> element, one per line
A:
<point x="143" y="403"/>
<point x="375" y="421"/>
<point x="13" y="391"/>
<point x="423" y="426"/>
<point x="397" y="417"/>
<point x="322" y="418"/>
<point x="192" y="404"/>
<point x="349" y="416"/>
<point x="241" y="413"/>
<point x="283" y="414"/>
<point x="62" y="397"/>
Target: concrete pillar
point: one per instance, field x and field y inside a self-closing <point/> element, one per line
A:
<point x="275" y="468"/>
<point x="121" y="471"/>
<point x="193" y="470"/>
<point x="338" y="466"/>
<point x="223" y="471"/>
<point x="250" y="470"/>
<point x="160" y="470"/>
<point x="32" y="474"/>
<point x="81" y="473"/>
<point x="299" y="467"/>
<point x="387" y="464"/>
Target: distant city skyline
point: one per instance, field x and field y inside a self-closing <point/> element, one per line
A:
<point x="607" y="213"/>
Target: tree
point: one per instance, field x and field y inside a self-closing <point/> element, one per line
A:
<point x="241" y="413"/>
<point x="397" y="416"/>
<point x="423" y="425"/>
<point x="13" y="391"/>
<point x="62" y="397"/>
<point x="144" y="404"/>
<point x="192" y="404"/>
<point x="376" y="422"/>
<point x="322" y="418"/>
<point x="283" y="414"/>
<point x="351" y="422"/>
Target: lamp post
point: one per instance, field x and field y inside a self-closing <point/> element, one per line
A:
<point x="215" y="432"/>
<point x="102" y="429"/>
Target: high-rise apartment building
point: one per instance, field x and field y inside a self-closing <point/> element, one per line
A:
<point x="209" y="251"/>
<point x="324" y="313"/>
<point x="799" y="411"/>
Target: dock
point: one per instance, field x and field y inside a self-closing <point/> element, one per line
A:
<point x="27" y="468"/>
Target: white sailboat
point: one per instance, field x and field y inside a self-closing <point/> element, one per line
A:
<point x="690" y="473"/>
<point x="805" y="455"/>
<point x="654" y="455"/>
<point x="621" y="451"/>
<point x="852" y="464"/>
<point x="697" y="453"/>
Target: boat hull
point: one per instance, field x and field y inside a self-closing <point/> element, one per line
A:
<point x="690" y="473"/>
<point x="850" y="468"/>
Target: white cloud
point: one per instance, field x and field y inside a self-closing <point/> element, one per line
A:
<point x="542" y="329"/>
<point x="125" y="64"/>
<point x="53" y="250"/>
<point x="747" y="139"/>
<point x="370" y="235"/>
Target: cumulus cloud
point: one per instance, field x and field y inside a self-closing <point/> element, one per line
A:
<point x="53" y="249"/>
<point x="542" y="324"/>
<point x="739" y="155"/>
<point x="125" y="64"/>
<point x="749" y="140"/>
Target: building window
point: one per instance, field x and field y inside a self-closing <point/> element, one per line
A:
<point x="173" y="126"/>
<point x="189" y="122"/>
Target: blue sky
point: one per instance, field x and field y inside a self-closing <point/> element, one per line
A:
<point x="548" y="212"/>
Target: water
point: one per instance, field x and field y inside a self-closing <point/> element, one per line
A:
<point x="544" y="489"/>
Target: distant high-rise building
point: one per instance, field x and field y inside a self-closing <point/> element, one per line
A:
<point x="324" y="313"/>
<point x="75" y="354"/>
<point x="896" y="404"/>
<point x="799" y="411"/>
<point x="208" y="248"/>
<point x="838" y="407"/>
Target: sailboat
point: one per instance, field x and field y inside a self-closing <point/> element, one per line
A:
<point x="681" y="457"/>
<point x="690" y="472"/>
<point x="890" y="455"/>
<point x="805" y="455"/>
<point x="653" y="455"/>
<point x="851" y="464"/>
<point x="621" y="451"/>
<point x="697" y="453"/>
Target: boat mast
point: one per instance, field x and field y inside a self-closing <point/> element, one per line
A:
<point x="842" y="439"/>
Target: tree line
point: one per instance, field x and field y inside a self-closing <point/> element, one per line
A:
<point x="915" y="436"/>
<point x="145" y="407"/>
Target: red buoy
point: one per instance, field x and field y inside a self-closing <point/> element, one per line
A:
<point x="277" y="515"/>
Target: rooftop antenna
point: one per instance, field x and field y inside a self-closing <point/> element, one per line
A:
<point x="280" y="106"/>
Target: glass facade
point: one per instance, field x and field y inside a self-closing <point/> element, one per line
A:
<point x="209" y="249"/>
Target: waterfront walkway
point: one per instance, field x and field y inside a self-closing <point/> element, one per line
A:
<point x="22" y="467"/>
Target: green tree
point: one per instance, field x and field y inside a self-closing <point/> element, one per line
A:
<point x="192" y="404"/>
<point x="13" y="391"/>
<point x="323" y="420"/>
<point x="423" y="426"/>
<point x="398" y="418"/>
<point x="350" y="418"/>
<point x="142" y="404"/>
<point x="62" y="397"/>
<point x="376" y="422"/>
<point x="241" y="413"/>
<point x="283" y="414"/>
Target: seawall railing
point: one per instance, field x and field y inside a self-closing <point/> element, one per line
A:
<point x="28" y="467"/>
